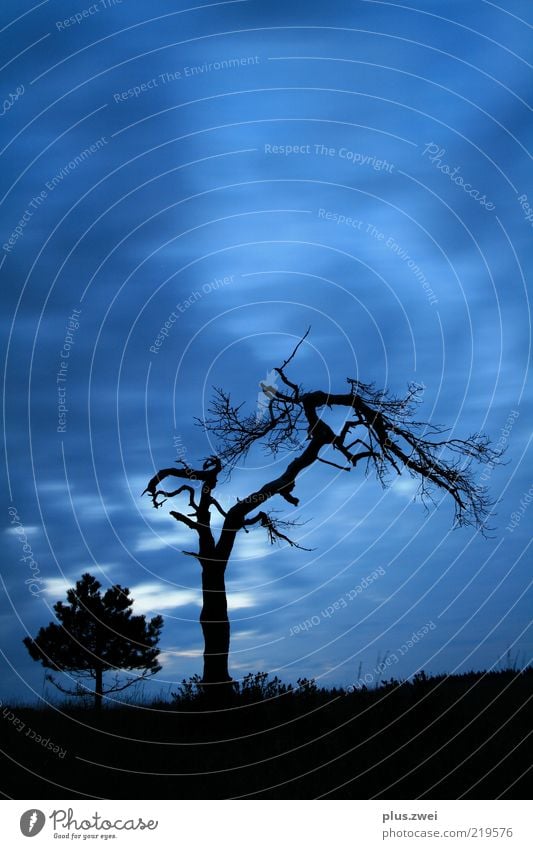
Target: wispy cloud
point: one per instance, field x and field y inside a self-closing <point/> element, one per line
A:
<point x="153" y="597"/>
<point x="156" y="542"/>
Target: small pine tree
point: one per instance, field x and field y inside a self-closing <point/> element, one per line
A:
<point x="97" y="634"/>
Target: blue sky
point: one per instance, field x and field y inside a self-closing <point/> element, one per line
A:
<point x="360" y="167"/>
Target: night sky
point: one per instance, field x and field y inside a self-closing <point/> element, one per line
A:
<point x="186" y="190"/>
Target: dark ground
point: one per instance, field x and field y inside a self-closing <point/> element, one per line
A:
<point x="442" y="737"/>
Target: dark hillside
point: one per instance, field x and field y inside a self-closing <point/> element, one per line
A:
<point x="434" y="737"/>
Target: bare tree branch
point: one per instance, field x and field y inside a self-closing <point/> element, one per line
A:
<point x="274" y="528"/>
<point x="336" y="465"/>
<point x="384" y="426"/>
<point x="180" y="517"/>
<point x="184" y="488"/>
<point x="186" y="472"/>
<point x="215" y="503"/>
<point x="291" y="357"/>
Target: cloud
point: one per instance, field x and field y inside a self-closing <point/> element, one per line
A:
<point x="157" y="542"/>
<point x="241" y="600"/>
<point x="56" y="588"/>
<point x="170" y="658"/>
<point x="21" y="530"/>
<point x="154" y="597"/>
<point x="404" y="487"/>
<point x="147" y="230"/>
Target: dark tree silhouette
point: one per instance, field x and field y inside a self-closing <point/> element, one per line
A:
<point x="97" y="634"/>
<point x="379" y="432"/>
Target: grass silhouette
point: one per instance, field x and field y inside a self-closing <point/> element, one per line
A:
<point x="433" y="737"/>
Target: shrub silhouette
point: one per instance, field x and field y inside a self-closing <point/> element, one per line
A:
<point x="255" y="687"/>
<point x="97" y="634"/>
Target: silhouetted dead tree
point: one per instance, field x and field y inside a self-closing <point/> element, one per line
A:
<point x="379" y="432"/>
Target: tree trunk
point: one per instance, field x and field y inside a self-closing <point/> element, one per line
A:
<point x="98" y="675"/>
<point x="216" y="629"/>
